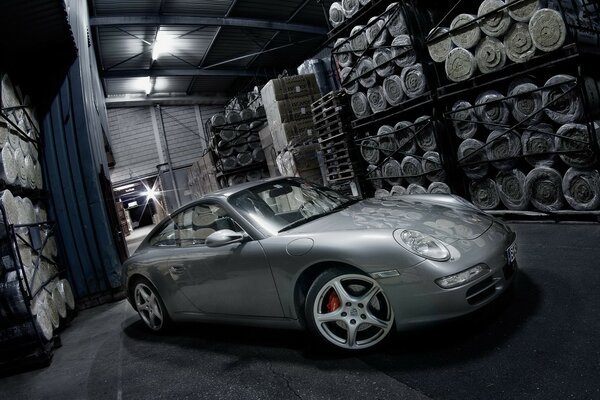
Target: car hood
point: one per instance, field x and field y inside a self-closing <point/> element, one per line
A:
<point x="442" y="218"/>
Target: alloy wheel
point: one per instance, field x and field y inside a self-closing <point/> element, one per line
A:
<point x="148" y="306"/>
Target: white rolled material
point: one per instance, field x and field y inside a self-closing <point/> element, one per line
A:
<point x="358" y="40"/>
<point x="52" y="310"/>
<point x="392" y="172"/>
<point x="386" y="141"/>
<point x="58" y="299"/>
<point x="544" y="186"/>
<point x="369" y="149"/>
<point x="538" y="143"/>
<point x="10" y="206"/>
<point x="413" y="81"/>
<point x="376" y="99"/>
<point x="65" y="289"/>
<point x="343" y="52"/>
<point x="347" y="75"/>
<point x="496" y="24"/>
<point x="511" y="188"/>
<point x="491" y="109"/>
<point x="575" y="138"/>
<point x="562" y="104"/>
<point x="374" y="172"/>
<point x="440" y="44"/>
<point x="377" y="35"/>
<point x="366" y="71"/>
<point x="405" y="132"/>
<point x="581" y="189"/>
<point x="382" y="60"/>
<point x="438" y="188"/>
<point x="523" y="10"/>
<point x="490" y="55"/>
<point x="350" y="7"/>
<point x="397" y="191"/>
<point x="381" y="194"/>
<point x="518" y="43"/>
<point x="360" y="105"/>
<point x="43" y="324"/>
<point x="462" y="114"/>
<point x="336" y="14"/>
<point x="8" y="168"/>
<point x="233" y="117"/>
<point x="392" y="90"/>
<point x="413" y="188"/>
<point x="432" y="167"/>
<point x="412" y="170"/>
<point x="396" y="24"/>
<point x="470" y="151"/>
<point x="403" y="52"/>
<point x="548" y="30"/>
<point x="468" y="36"/>
<point x="426" y="133"/>
<point x="484" y="194"/>
<point x="526" y="102"/>
<point x="460" y="65"/>
<point x="504" y="146"/>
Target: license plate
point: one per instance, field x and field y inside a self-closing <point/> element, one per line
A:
<point x="511" y="253"/>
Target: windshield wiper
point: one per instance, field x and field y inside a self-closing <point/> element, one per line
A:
<point x="316" y="216"/>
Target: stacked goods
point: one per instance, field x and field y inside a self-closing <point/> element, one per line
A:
<point x="288" y="109"/>
<point x="202" y="178"/>
<point x="301" y="161"/>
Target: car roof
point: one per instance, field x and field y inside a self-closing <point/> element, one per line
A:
<point x="228" y="192"/>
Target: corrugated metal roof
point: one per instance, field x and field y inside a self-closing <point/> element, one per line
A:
<point x="194" y="7"/>
<point x="129" y="7"/>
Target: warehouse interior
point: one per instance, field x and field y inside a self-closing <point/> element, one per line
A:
<point x="114" y="114"/>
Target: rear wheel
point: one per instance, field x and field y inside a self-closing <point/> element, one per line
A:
<point x="150" y="306"/>
<point x="348" y="310"/>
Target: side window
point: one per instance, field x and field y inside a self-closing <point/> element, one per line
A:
<point x="166" y="237"/>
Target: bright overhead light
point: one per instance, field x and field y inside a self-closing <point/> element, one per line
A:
<point x="162" y="44"/>
<point x="148" y="85"/>
<point x="142" y="84"/>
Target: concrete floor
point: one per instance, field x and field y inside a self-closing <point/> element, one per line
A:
<point x="541" y="342"/>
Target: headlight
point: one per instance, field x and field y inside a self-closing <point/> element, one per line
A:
<point x="422" y="245"/>
<point x="462" y="278"/>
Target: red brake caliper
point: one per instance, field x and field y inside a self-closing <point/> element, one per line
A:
<point x="333" y="301"/>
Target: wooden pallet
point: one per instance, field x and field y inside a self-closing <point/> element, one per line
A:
<point x="340" y="175"/>
<point x="332" y="99"/>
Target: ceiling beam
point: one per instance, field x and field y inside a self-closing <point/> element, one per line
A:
<point x="157" y="20"/>
<point x="141" y="100"/>
<point x="155" y="72"/>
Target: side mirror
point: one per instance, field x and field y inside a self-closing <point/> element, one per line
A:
<point x="224" y="237"/>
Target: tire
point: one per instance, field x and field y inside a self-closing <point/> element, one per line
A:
<point x="348" y="310"/>
<point x="149" y="305"/>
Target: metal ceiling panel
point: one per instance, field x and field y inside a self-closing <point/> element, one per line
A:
<point x="118" y="86"/>
<point x="172" y="84"/>
<point x="129" y="7"/>
<point x="234" y="43"/>
<point x="211" y="84"/>
<point x="216" y="8"/>
<point x="119" y="45"/>
<point x="279" y="10"/>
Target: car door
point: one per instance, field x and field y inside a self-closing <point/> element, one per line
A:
<point x="232" y="279"/>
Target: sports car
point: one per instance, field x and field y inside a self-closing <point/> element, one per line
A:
<point x="285" y="253"/>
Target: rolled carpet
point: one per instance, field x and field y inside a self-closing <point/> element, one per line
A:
<point x="490" y="55"/>
<point x="373" y="175"/>
<point x="547" y="29"/>
<point x="336" y="14"/>
<point x="544" y="186"/>
<point x="405" y="133"/>
<point x="562" y="104"/>
<point x="233" y="117"/>
<point x="229" y="163"/>
<point x="497" y="23"/>
<point x="538" y="145"/>
<point x="258" y="155"/>
<point x="397" y="191"/>
<point x="9" y="171"/>
<point x="382" y="60"/>
<point x="403" y="52"/>
<point x="414" y="188"/>
<point x="246" y="114"/>
<point x="462" y="114"/>
<point x="412" y="170"/>
<point x="523" y="10"/>
<point x="484" y="194"/>
<point x="358" y="40"/>
<point x="392" y="90"/>
<point x="432" y="167"/>
<point x="396" y="24"/>
<point x="386" y="141"/>
<point x="369" y="149"/>
<point x="511" y="189"/>
<point x="392" y="172"/>
<point x="460" y="65"/>
<point x="381" y="194"/>
<point x="575" y="139"/>
<point x="505" y="147"/>
<point x="518" y="43"/>
<point x="426" y="133"/>
<point x="347" y="75"/>
<point x="350" y="7"/>
<point x="376" y="99"/>
<point x="526" y="102"/>
<point x="581" y="189"/>
<point x="360" y="105"/>
<point x="366" y="71"/>
<point x="470" y="151"/>
<point x="440" y="44"/>
<point x="254" y="175"/>
<point x="342" y="50"/>
<point x="467" y="36"/>
<point x="413" y="81"/>
<point x="491" y="109"/>
<point x="216" y="121"/>
<point x="377" y="35"/>
<point x="438" y="188"/>
<point x="245" y="158"/>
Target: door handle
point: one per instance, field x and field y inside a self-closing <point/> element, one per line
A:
<point x="177" y="269"/>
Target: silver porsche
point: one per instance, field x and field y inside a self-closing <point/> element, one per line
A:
<point x="285" y="253"/>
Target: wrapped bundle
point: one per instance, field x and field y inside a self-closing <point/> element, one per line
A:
<point x="369" y="149"/>
<point x="67" y="293"/>
<point x="374" y="175"/>
<point x="413" y="188"/>
<point x="562" y="103"/>
<point x="229" y="163"/>
<point x="496" y="24"/>
<point x="243" y="129"/>
<point x="484" y="194"/>
<point x="258" y="155"/>
<point x="392" y="172"/>
<point x="342" y="51"/>
<point x="347" y="75"/>
<point x="468" y="36"/>
<point x="9" y="171"/>
<point x="216" y="121"/>
<point x="426" y="133"/>
<point x="360" y="105"/>
<point x="575" y="139"/>
<point x="405" y="132"/>
<point x="236" y="179"/>
<point x="382" y="60"/>
<point x="381" y="194"/>
<point x="547" y="29"/>
<point x="252" y="176"/>
<point x="470" y="151"/>
<point x="460" y="65"/>
<point x="260" y="112"/>
<point x="505" y="146"/>
<point x="225" y="148"/>
<point x="392" y="90"/>
<point x="246" y="114"/>
<point x="336" y="14"/>
<point x="440" y="44"/>
<point x="397" y="191"/>
<point x="544" y="186"/>
<point x="386" y="141"/>
<point x="412" y="170"/>
<point x="58" y="299"/>
<point x="358" y="40"/>
<point x="581" y="189"/>
<point x="396" y="25"/>
<point x="518" y="43"/>
<point x="254" y="141"/>
<point x="233" y="117"/>
<point x="526" y="101"/>
<point x="523" y="10"/>
<point x="350" y="7"/>
<point x="43" y="324"/>
<point x="376" y="99"/>
<point x="538" y="143"/>
<point x="377" y="35"/>
<point x="490" y="55"/>
<point x="432" y="166"/>
<point x="403" y="52"/>
<point x="413" y="81"/>
<point x="366" y="71"/>
<point x="511" y="188"/>
<point x="240" y="144"/>
<point x="438" y="188"/>
<point x="462" y="113"/>
<point x="491" y="109"/>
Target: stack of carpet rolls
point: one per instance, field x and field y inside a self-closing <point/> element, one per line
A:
<point x="498" y="33"/>
<point x="378" y="65"/>
<point x="547" y="161"/>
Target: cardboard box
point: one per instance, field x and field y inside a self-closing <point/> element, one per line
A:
<point x="289" y="87"/>
<point x="291" y="133"/>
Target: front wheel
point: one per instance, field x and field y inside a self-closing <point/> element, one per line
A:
<point x="149" y="306"/>
<point x="347" y="310"/>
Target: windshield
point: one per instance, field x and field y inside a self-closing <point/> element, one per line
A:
<point x="283" y="204"/>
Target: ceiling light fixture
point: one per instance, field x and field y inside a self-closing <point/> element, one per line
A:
<point x="147" y="85"/>
<point x="162" y="44"/>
